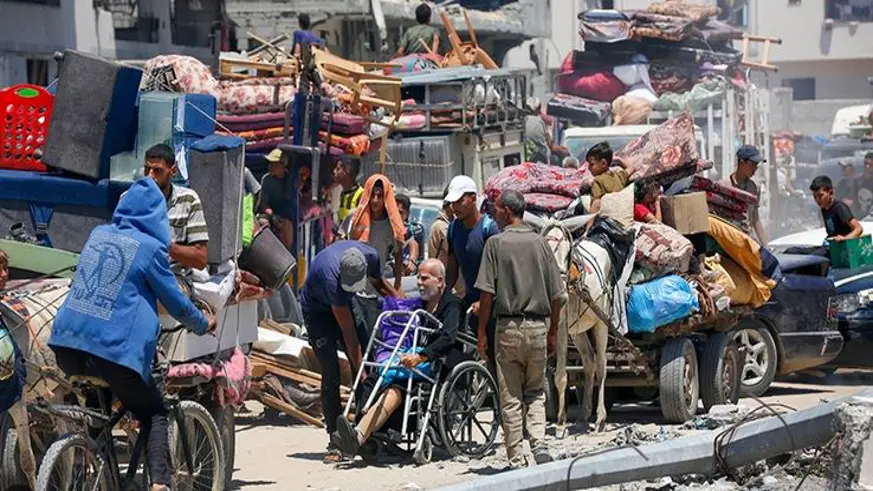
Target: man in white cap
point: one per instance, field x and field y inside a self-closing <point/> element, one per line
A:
<point x="466" y="237"/>
<point x="335" y="275"/>
<point x="538" y="142"/>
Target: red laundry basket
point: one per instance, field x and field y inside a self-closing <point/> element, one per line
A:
<point x="25" y="112"/>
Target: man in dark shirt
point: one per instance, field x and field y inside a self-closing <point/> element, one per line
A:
<point x="839" y="222"/>
<point x="467" y="235"/>
<point x="446" y="308"/>
<point x="335" y="275"/>
<point x="277" y="198"/>
<point x="864" y="189"/>
<point x="845" y="190"/>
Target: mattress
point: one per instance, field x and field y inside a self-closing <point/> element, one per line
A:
<point x="584" y="112"/>
<point x="343" y="123"/>
<point x="670" y="149"/>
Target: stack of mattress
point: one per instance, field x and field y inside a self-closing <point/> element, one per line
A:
<point x="348" y="134"/>
<point x="648" y="55"/>
<point x="725" y="201"/>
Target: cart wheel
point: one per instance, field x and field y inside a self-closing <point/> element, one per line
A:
<point x="469" y="410"/>
<point x="11" y="475"/>
<point x="678" y="380"/>
<point x="423" y="455"/>
<point x="720" y="368"/>
<point x="225" y="421"/>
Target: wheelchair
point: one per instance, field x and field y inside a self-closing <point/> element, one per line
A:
<point x="458" y="412"/>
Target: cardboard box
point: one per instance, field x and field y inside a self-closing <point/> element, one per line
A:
<point x="687" y="213"/>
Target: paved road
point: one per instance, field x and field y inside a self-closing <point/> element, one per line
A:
<point x="282" y="456"/>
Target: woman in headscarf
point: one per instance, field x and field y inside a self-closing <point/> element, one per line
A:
<point x="377" y="222"/>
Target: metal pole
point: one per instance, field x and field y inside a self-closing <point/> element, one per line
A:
<point x="751" y="442"/>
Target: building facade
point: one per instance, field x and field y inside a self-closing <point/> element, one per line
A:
<point x="115" y="29"/>
<point x="827" y="45"/>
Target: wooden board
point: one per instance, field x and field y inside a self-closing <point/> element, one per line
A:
<point x="286" y="408"/>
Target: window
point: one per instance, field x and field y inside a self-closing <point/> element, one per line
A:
<point x="804" y="88"/>
<point x="792" y="3"/>
<point x="849" y="10"/>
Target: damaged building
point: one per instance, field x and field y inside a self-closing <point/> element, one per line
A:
<point x="367" y="30"/>
<point x="370" y="30"/>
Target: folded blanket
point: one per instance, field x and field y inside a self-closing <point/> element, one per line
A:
<point x="703" y="184"/>
<point x="660" y="26"/>
<point x="726" y="202"/>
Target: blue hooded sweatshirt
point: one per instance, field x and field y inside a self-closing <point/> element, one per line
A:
<point x="124" y="269"/>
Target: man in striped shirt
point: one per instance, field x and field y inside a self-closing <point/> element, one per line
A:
<point x="187" y="222"/>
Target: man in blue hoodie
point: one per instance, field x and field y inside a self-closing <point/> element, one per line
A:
<point x="108" y="325"/>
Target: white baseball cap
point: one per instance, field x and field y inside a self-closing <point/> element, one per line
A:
<point x="460" y="186"/>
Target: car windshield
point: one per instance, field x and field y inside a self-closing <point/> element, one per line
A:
<point x="579" y="145"/>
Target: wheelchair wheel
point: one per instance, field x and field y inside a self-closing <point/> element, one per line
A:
<point x="469" y="410"/>
<point x="424" y="455"/>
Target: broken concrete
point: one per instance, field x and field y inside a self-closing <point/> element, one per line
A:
<point x="751" y="443"/>
<point x="853" y="465"/>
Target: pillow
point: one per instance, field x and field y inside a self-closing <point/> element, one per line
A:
<point x="619" y="206"/>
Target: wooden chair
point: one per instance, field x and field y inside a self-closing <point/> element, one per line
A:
<point x="764" y="62"/>
<point x="463" y="53"/>
<point x="368" y="88"/>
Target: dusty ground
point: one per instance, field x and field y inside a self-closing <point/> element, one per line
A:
<point x="278" y="455"/>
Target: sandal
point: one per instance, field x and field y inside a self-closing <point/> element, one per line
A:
<point x="345" y="437"/>
<point x="333" y="455"/>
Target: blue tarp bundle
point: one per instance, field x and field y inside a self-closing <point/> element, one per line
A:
<point x="660" y="302"/>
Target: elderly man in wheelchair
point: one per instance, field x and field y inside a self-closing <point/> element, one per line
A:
<point x="428" y="343"/>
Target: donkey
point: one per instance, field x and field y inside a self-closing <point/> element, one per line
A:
<point x="586" y="267"/>
<point x="30" y="325"/>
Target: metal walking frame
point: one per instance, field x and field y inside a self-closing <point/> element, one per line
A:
<point x="429" y="389"/>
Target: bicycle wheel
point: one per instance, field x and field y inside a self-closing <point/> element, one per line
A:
<point x="206" y="471"/>
<point x="73" y="463"/>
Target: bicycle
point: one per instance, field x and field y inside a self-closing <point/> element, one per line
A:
<point x="88" y="459"/>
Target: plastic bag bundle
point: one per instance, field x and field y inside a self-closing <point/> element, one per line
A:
<point x="660" y="302"/>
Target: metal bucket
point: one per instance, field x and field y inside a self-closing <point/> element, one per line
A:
<point x="268" y="259"/>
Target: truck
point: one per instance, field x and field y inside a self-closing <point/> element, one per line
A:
<point x="464" y="120"/>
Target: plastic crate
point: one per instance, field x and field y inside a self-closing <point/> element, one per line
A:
<point x="851" y="253"/>
<point x="26" y="111"/>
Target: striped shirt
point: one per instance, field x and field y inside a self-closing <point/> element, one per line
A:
<point x="187" y="222"/>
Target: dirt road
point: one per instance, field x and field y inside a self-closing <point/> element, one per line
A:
<point x="278" y="455"/>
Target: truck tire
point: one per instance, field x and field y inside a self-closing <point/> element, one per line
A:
<point x="720" y="367"/>
<point x="759" y="356"/>
<point x="678" y="380"/>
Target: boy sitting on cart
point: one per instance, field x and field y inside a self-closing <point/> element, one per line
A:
<point x="448" y="309"/>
